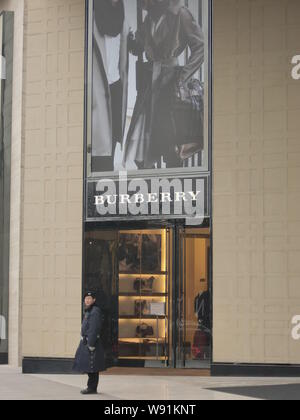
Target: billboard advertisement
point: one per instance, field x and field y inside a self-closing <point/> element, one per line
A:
<point x="147" y="108"/>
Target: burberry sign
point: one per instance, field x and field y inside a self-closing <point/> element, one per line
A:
<point x="155" y="197"/>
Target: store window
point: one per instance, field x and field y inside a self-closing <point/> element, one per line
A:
<point x="144" y="296"/>
<point x="194" y="299"/>
<point x="153" y="286"/>
<point x="6" y="46"/>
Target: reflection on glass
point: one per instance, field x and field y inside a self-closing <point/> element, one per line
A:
<point x="101" y="248"/>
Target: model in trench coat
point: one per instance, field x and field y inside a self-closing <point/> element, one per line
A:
<point x="102" y="142"/>
<point x="87" y="361"/>
<point x="163" y="40"/>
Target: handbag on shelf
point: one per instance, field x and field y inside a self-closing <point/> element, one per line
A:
<point x="144" y="330"/>
<point x="144" y="285"/>
<point x="141" y="307"/>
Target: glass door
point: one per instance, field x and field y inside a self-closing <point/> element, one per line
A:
<point x="101" y="276"/>
<point x="131" y="272"/>
<point x="144" y="304"/>
<point x="193" y="343"/>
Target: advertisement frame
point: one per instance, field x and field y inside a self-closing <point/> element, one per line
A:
<point x="202" y="172"/>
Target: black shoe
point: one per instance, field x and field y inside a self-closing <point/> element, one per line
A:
<point x="88" y="392"/>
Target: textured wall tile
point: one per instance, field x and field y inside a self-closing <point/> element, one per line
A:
<point x="52" y="212"/>
<point x="257" y="223"/>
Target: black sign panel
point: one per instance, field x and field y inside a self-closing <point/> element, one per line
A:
<point x="154" y="198"/>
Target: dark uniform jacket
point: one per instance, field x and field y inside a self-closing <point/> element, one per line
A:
<point x="86" y="360"/>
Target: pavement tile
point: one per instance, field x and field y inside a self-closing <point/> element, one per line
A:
<point x="16" y="386"/>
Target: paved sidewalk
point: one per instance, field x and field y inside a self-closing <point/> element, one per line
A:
<point x="15" y="386"/>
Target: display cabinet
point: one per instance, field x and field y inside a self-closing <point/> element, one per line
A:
<point x="143" y="295"/>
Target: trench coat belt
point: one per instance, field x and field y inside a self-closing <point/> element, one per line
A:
<point x="159" y="65"/>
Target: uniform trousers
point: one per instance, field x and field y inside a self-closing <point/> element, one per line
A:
<point x="93" y="381"/>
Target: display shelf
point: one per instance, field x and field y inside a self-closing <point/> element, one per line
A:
<point x="146" y="340"/>
<point x="142" y="358"/>
<point x="157" y="273"/>
<point x="154" y="317"/>
<point x="154" y="294"/>
<point x="143" y="284"/>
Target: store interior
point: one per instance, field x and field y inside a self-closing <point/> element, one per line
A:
<point x="155" y="285"/>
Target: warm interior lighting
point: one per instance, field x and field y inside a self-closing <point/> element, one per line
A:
<point x="153" y="345"/>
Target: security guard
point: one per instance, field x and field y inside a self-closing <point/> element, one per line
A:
<point x="90" y="356"/>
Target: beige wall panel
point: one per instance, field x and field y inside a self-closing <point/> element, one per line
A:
<point x="53" y="176"/>
<point x="256" y="161"/>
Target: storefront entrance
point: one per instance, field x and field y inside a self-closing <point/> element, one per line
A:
<point x="154" y="287"/>
<point x="151" y="273"/>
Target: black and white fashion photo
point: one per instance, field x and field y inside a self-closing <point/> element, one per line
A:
<point x="110" y="81"/>
<point x="147" y="85"/>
